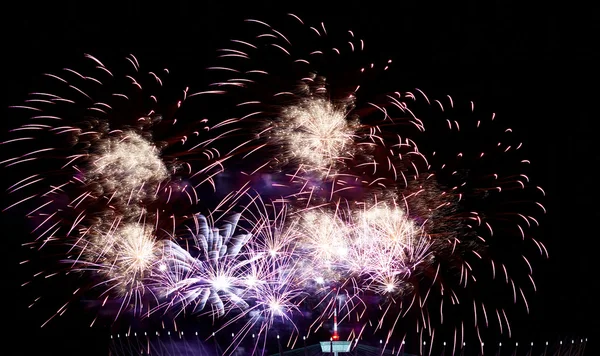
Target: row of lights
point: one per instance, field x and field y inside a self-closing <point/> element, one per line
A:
<point x="482" y="344"/>
<point x="304" y="338"/>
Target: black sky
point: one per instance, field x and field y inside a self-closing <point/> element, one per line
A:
<point x="535" y="62"/>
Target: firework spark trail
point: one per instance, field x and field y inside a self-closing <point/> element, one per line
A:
<point x="352" y="198"/>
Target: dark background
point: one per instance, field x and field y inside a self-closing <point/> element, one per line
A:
<point x="536" y="63"/>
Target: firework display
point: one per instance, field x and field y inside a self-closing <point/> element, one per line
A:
<point x="300" y="183"/>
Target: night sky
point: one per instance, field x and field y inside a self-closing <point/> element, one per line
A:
<point x="535" y="64"/>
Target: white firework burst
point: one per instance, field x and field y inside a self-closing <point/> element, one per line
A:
<point x="211" y="272"/>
